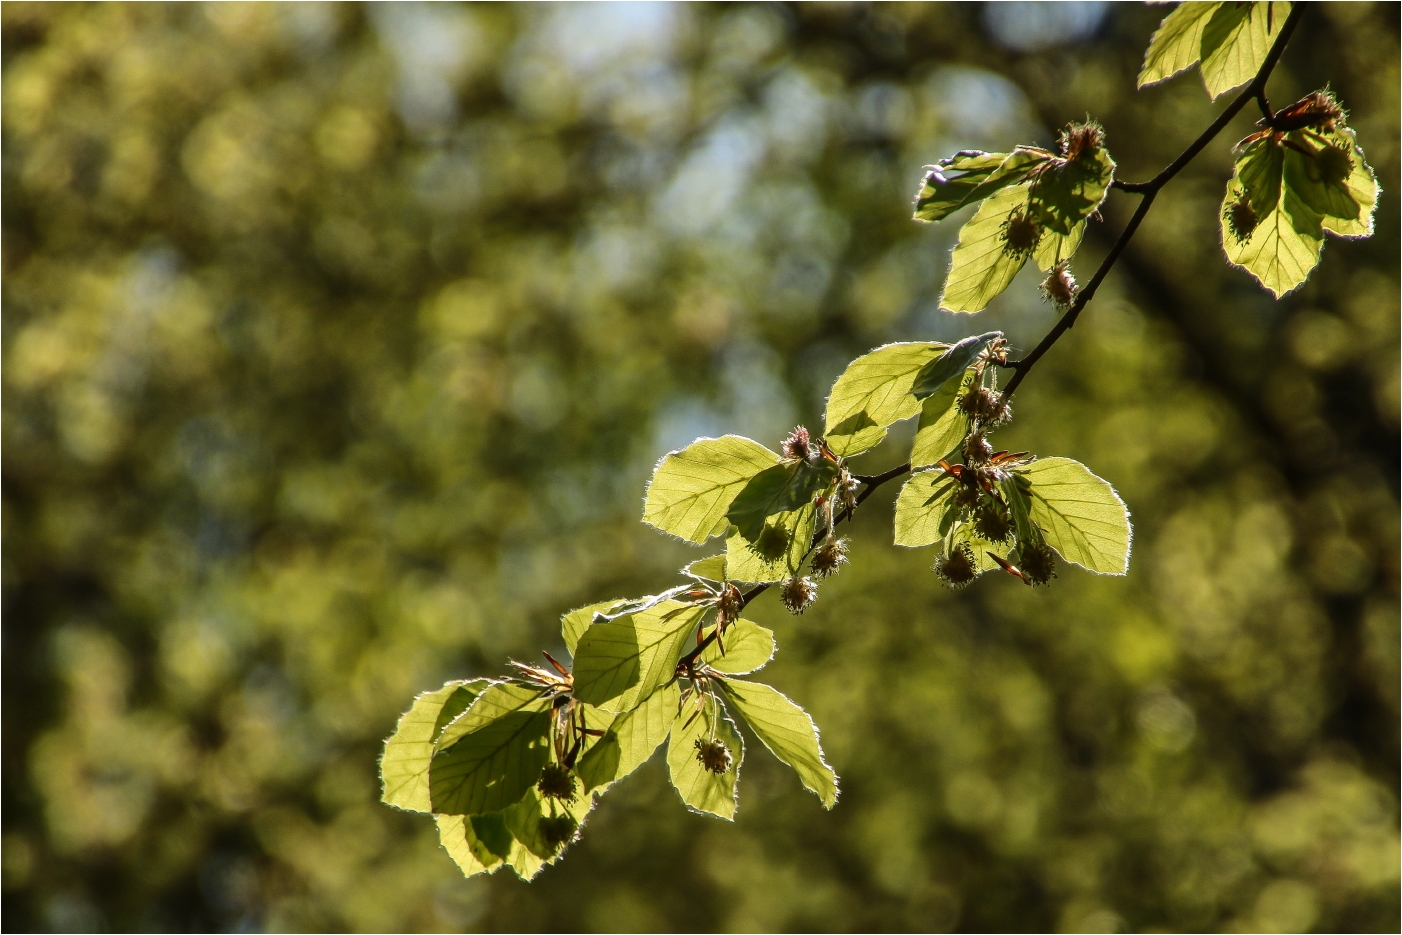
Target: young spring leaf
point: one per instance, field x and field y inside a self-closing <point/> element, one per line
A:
<point x="1177" y="44"/>
<point x="691" y="489"/>
<point x="1235" y="42"/>
<point x="574" y="623"/>
<point x="456" y="834"/>
<point x="630" y="739"/>
<point x="702" y="788"/>
<point x="1080" y="515"/>
<point x="491" y="753"/>
<point x="544" y="827"/>
<point x="707" y="569"/>
<point x="942" y="424"/>
<point x="777" y="553"/>
<point x="621" y="662"/>
<point x="944" y="370"/>
<point x="1337" y="182"/>
<point x="1067" y="192"/>
<point x="921" y="507"/>
<point x="1267" y="229"/>
<point x="874" y="393"/>
<point x="748" y="647"/>
<point x="404" y="764"/>
<point x="788" y="732"/>
<point x="969" y="176"/>
<point x="783" y="488"/>
<point x="983" y="263"/>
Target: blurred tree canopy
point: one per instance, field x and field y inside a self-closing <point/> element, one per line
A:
<point x="339" y="342"/>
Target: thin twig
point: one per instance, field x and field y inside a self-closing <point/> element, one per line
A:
<point x="1256" y="90"/>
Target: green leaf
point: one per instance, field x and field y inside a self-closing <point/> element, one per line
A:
<point x="788" y="732"/>
<point x="630" y="740"/>
<point x="529" y="822"/>
<point x="707" y="569"/>
<point x="921" y="506"/>
<point x="1015" y="495"/>
<point x="1066" y="193"/>
<point x="492" y="753"/>
<point x="1080" y="515"/>
<point x="942" y="425"/>
<point x="1177" y="43"/>
<point x="574" y="623"/>
<point x="404" y="764"/>
<point x="456" y="834"/>
<point x="692" y="489"/>
<point x="748" y="648"/>
<point x="700" y="789"/>
<point x="1235" y="42"/>
<point x="981" y="266"/>
<point x="950" y="365"/>
<point x="493" y="837"/>
<point x="1284" y="246"/>
<point x="1346" y="205"/>
<point x="777" y="553"/>
<point x="970" y="176"/>
<point x="788" y="486"/>
<point x="873" y="393"/>
<point x="620" y="663"/>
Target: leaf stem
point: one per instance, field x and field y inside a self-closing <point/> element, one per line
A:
<point x="1256" y="90"/>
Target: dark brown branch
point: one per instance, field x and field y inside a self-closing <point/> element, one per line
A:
<point x="1256" y="90"/>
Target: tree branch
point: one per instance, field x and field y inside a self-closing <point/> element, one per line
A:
<point x="1256" y="90"/>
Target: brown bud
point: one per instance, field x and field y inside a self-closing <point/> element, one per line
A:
<point x="797" y="593"/>
<point x="958" y="568"/>
<point x="713" y="755"/>
<point x="977" y="448"/>
<point x="830" y="556"/>
<point x="1078" y="139"/>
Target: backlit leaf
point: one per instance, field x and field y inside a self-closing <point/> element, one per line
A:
<point x="949" y="367"/>
<point x="404" y="764"/>
<point x="942" y="425"/>
<point x="1081" y="515"/>
<point x="701" y="789"/>
<point x="1177" y="44"/>
<point x="982" y="266"/>
<point x="788" y="732"/>
<point x="777" y="553"/>
<point x="873" y="393"/>
<point x="630" y="739"/>
<point x="788" y="486"/>
<point x="492" y="753"/>
<point x="921" y="506"/>
<point x="1284" y="245"/>
<point x="621" y="662"/>
<point x="1235" y="42"/>
<point x="708" y="569"/>
<point x="970" y="176"/>
<point x="748" y="647"/>
<point x="691" y="489"/>
<point x="458" y="838"/>
<point x="1346" y="205"/>
<point x="529" y="822"/>
<point x="574" y="623"/>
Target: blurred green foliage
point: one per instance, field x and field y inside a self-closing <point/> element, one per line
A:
<point x="339" y="342"/>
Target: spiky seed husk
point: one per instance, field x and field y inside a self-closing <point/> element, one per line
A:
<point x="1060" y="286"/>
<point x="714" y="755"/>
<point x="1037" y="561"/>
<point x="977" y="448"/>
<point x="1000" y="412"/>
<point x="958" y="568"/>
<point x="977" y="402"/>
<point x="847" y="487"/>
<point x="1335" y="163"/>
<point x="558" y="830"/>
<point x="992" y="520"/>
<point x="730" y="603"/>
<point x="830" y="556"/>
<point x="1020" y="234"/>
<point x="797" y="593"/>
<point x="798" y="445"/>
<point x="556" y="782"/>
<point x="1081" y="138"/>
<point x="967" y="496"/>
<point x="1241" y="219"/>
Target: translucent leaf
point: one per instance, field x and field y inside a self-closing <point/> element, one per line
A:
<point x="458" y="838"/>
<point x="701" y="789"/>
<point x="492" y="753"/>
<point x="691" y="489"/>
<point x="574" y="623"/>
<point x="1177" y="43"/>
<point x="630" y="740"/>
<point x="788" y="732"/>
<point x="620" y="663"/>
<point x="785" y="487"/>
<point x="873" y="393"/>
<point x="942" y="425"/>
<point x="1235" y="43"/>
<point x="1055" y="248"/>
<point x="1284" y="245"/>
<point x="708" y="569"/>
<point x="1081" y="515"/>
<point x="970" y="176"/>
<point x="748" y="647"/>
<point x="950" y="366"/>
<point x="981" y="266"/>
<point x="404" y="764"/>
<point x="1346" y="205"/>
<point x="1069" y="191"/>
<point x="921" y="506"/>
<point x="777" y="553"/>
<point x="544" y="827"/>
